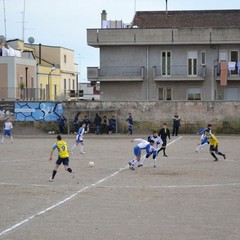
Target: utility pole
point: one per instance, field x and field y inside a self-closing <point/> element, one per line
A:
<point x="5" y="20"/>
<point x="23" y="21"/>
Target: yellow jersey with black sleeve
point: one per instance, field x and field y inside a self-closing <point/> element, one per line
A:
<point x="62" y="147"/>
<point x="213" y="140"/>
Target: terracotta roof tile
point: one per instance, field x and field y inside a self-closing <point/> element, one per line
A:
<point x="177" y="19"/>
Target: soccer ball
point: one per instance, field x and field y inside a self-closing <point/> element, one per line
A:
<point x="91" y="164"/>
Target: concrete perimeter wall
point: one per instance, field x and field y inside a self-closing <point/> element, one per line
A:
<point x="150" y="115"/>
<point x="147" y="116"/>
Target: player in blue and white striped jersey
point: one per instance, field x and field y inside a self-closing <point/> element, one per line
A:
<point x="142" y="145"/>
<point x="79" y="139"/>
<point x="157" y="141"/>
<point x="7" y="127"/>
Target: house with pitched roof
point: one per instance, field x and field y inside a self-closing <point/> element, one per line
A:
<point x="169" y="55"/>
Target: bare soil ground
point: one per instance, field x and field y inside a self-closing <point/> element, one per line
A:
<point x="188" y="196"/>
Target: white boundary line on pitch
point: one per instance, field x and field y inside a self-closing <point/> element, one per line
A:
<point x="176" y="186"/>
<point x="174" y="140"/>
<point x="59" y="203"/>
<point x="26" y="220"/>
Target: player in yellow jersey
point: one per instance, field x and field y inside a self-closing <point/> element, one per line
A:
<point x="63" y="156"/>
<point x="213" y="145"/>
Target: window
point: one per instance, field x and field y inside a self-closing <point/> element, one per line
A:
<point x="73" y="84"/>
<point x="65" y="84"/>
<point x="164" y="94"/>
<point x="55" y="91"/>
<point x="65" y="58"/>
<point x="192" y="63"/>
<point x="32" y="82"/>
<point x="69" y="84"/>
<point x="41" y="92"/>
<point x="166" y="63"/>
<point x="231" y="93"/>
<point x="222" y="55"/>
<point x="194" y="94"/>
<point x="203" y="58"/>
<point x="234" y="59"/>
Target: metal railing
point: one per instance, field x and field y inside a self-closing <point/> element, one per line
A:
<point x="40" y="94"/>
<point x="121" y="72"/>
<point x="179" y="71"/>
<point x="230" y="73"/>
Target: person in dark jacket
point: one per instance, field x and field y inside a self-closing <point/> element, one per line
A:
<point x="97" y="122"/>
<point x="130" y="123"/>
<point x="61" y="123"/>
<point x="111" y="125"/>
<point x="75" y="123"/>
<point x="87" y="123"/>
<point x="176" y="124"/>
<point x="164" y="133"/>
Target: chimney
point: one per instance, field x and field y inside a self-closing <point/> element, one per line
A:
<point x="103" y="17"/>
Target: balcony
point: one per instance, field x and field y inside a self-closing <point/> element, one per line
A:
<point x="179" y="73"/>
<point x="233" y="75"/>
<point x="115" y="73"/>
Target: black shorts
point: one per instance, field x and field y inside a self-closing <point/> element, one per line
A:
<point x="213" y="149"/>
<point x="164" y="142"/>
<point x="64" y="161"/>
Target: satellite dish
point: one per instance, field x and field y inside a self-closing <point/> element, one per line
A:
<point x="2" y="39"/>
<point x="31" y="40"/>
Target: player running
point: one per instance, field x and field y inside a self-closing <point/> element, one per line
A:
<point x="203" y="142"/>
<point x="157" y="141"/>
<point x="79" y="139"/>
<point x="7" y="127"/>
<point x="143" y="145"/>
<point x="203" y="139"/>
<point x="213" y="145"/>
<point x="63" y="157"/>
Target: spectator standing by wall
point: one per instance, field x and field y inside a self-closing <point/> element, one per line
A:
<point x="75" y="123"/>
<point x="87" y="123"/>
<point x="61" y="122"/>
<point x="97" y="122"/>
<point x="104" y="125"/>
<point x="112" y="125"/>
<point x="176" y="124"/>
<point x="130" y="123"/>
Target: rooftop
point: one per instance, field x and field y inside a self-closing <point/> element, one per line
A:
<point x="189" y="19"/>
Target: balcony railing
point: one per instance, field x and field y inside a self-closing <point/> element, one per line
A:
<point x="131" y="73"/>
<point x="179" y="71"/>
<point x="116" y="73"/>
<point x="39" y="94"/>
<point x="234" y="73"/>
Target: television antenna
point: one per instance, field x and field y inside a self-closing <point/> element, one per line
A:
<point x="5" y="20"/>
<point x="23" y="21"/>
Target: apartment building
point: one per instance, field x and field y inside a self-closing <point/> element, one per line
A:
<point x="169" y="55"/>
<point x="37" y="72"/>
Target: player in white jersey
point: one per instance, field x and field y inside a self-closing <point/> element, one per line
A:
<point x="7" y="127"/>
<point x="143" y="145"/>
<point x="157" y="141"/>
<point x="79" y="139"/>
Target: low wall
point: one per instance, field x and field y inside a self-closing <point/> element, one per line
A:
<point x="147" y="116"/>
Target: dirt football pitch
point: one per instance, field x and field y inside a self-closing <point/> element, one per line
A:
<point x="187" y="196"/>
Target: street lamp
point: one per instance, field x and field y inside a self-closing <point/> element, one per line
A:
<point x="48" y="93"/>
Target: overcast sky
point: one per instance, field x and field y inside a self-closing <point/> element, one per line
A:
<point x="64" y="22"/>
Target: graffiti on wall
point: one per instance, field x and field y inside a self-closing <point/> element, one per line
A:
<point x="6" y="110"/>
<point x="37" y="111"/>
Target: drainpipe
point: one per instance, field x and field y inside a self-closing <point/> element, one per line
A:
<point x="147" y="78"/>
<point x="26" y="85"/>
<point x="40" y="53"/>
